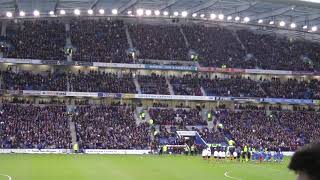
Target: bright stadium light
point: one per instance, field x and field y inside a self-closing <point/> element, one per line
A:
<point x="202" y="15"/>
<point x="293" y="25"/>
<point x="140" y="12"/>
<point x="9" y="14"/>
<point x="213" y="16"/>
<point x="165" y="13"/>
<point x="246" y="19"/>
<point x="148" y="12"/>
<point x="282" y="23"/>
<point x="194" y="15"/>
<point x="271" y="22"/>
<point x="314" y="28"/>
<point x="101" y="11"/>
<point x="62" y="12"/>
<point x="157" y="12"/>
<point x="184" y="14"/>
<point x="229" y="18"/>
<point x="221" y="16"/>
<point x="176" y="13"/>
<point x="37" y="13"/>
<point x="260" y="21"/>
<point x="114" y="11"/>
<point x="51" y="13"/>
<point x="237" y="18"/>
<point x="22" y="13"/>
<point x="77" y="12"/>
<point x="129" y="12"/>
<point x="90" y="11"/>
<point x="305" y="27"/>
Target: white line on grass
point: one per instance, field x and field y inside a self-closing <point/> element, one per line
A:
<point x="226" y="175"/>
<point x="9" y="177"/>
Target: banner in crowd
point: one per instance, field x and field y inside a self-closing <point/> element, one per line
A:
<point x="20" y="61"/>
<point x="244" y="99"/>
<point x="167" y="97"/>
<point x="67" y="63"/>
<point x="175" y="97"/>
<point x="221" y="70"/>
<point x="316" y="102"/>
<point x="35" y="151"/>
<point x="110" y="95"/>
<point x="119" y="65"/>
<point x="168" y="67"/>
<point x="306" y="73"/>
<point x="287" y="101"/>
<point x="186" y="133"/>
<point x="13" y="92"/>
<point x="261" y="71"/>
<point x="154" y="66"/>
<point x="116" y="151"/>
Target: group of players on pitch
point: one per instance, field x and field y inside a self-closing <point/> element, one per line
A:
<point x="243" y="155"/>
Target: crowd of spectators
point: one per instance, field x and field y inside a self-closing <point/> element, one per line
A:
<point x="153" y="84"/>
<point x="274" y="52"/>
<point x="180" y="117"/>
<point x="212" y="136"/>
<point x="96" y="81"/>
<point x="234" y="86"/>
<point x="189" y="84"/>
<point x="170" y="137"/>
<point x="215" y="46"/>
<point x="161" y="42"/>
<point x="105" y="40"/>
<point x="306" y="124"/>
<point x="29" y="81"/>
<point x="99" y="41"/>
<point x="110" y="127"/>
<point x="285" y="129"/>
<point x="30" y="126"/>
<point x="40" y="39"/>
<point x="292" y="88"/>
<point x="186" y="85"/>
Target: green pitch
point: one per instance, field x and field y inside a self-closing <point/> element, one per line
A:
<point x="132" y="167"/>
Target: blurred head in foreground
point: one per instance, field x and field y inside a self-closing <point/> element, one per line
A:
<point x="306" y="162"/>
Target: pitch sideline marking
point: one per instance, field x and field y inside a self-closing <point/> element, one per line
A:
<point x="9" y="177"/>
<point x="226" y="175"/>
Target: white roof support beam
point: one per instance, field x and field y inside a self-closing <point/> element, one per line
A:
<point x="273" y="13"/>
<point x="93" y="5"/>
<point x="56" y="6"/>
<point x="168" y="4"/>
<point x="240" y="8"/>
<point x="306" y="18"/>
<point x="203" y="6"/>
<point x="127" y="6"/>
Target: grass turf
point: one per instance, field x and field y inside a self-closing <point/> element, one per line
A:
<point x="134" y="167"/>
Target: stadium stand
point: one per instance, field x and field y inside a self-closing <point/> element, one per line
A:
<point x="159" y="42"/>
<point x="99" y="41"/>
<point x="96" y="81"/>
<point x="186" y="85"/>
<point x="40" y="39"/>
<point x="105" y="41"/>
<point x="274" y="52"/>
<point x="181" y="117"/>
<point x="110" y="127"/>
<point x="277" y="129"/>
<point x="30" y="81"/>
<point x="30" y="126"/>
<point x="153" y="84"/>
<point x="216" y="46"/>
<point x="99" y="81"/>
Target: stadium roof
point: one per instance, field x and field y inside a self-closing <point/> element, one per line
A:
<point x="300" y="12"/>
